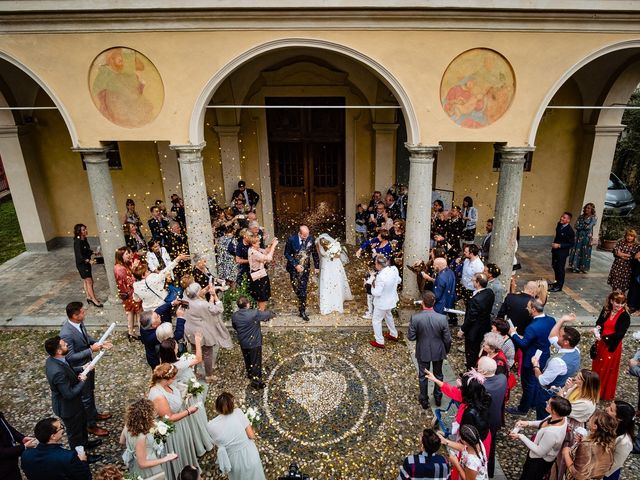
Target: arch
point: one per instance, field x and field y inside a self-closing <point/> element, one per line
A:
<point x="63" y="111"/>
<point x="556" y="86"/>
<point x="196" y="124"/>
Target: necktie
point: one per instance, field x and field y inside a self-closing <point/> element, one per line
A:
<point x="161" y="263"/>
<point x="84" y="333"/>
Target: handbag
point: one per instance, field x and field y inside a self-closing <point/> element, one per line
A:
<point x="517" y="266"/>
<point x="593" y="351"/>
<point x="258" y="274"/>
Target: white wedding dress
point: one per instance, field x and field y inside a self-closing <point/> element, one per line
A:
<point x="333" y="284"/>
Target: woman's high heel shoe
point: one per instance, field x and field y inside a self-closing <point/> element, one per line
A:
<point x="99" y="305"/>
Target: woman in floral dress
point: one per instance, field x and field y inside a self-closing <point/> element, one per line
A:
<point x="580" y="260"/>
<point x="624" y="250"/>
<point x="125" y="261"/>
<point x="227" y="268"/>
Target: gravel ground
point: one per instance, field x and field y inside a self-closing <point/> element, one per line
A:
<point x="368" y="419"/>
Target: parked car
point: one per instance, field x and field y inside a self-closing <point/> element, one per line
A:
<point x="619" y="201"/>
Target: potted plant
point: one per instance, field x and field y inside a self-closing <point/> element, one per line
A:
<point x="611" y="230"/>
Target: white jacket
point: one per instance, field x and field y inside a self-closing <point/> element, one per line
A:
<point x="385" y="288"/>
<point x="152" y="260"/>
<point x="151" y="290"/>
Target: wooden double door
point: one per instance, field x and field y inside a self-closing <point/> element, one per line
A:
<point x="307" y="156"/>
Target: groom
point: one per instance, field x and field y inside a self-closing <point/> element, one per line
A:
<point x="298" y="252"/>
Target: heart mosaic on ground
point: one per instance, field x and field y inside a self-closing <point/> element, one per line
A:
<point x="318" y="393"/>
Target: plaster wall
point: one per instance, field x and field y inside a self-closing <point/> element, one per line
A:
<point x="187" y="60"/>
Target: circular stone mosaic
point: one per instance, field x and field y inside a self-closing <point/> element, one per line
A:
<point x="126" y="87"/>
<point x="477" y="88"/>
<point x="317" y="398"/>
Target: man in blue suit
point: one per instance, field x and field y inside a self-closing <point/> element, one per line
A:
<point x="444" y="286"/>
<point x="299" y="250"/>
<point x="49" y="460"/>
<point x="562" y="243"/>
<point x="536" y="337"/>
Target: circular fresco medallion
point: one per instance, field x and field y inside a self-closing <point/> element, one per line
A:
<point x="320" y="399"/>
<point x="477" y="88"/>
<point x="126" y="87"/>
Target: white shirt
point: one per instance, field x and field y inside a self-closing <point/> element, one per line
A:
<point x="547" y="442"/>
<point x="624" y="445"/>
<point x="151" y="290"/>
<point x="555" y="366"/>
<point x="469" y="269"/>
<point x="152" y="259"/>
<point x="76" y="326"/>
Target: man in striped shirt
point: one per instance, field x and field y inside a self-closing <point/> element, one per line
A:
<point x="426" y="465"/>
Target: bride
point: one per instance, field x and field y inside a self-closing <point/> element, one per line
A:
<point x="333" y="284"/>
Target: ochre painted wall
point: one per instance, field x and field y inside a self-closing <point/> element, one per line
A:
<point x="186" y="61"/>
<point x="547" y="189"/>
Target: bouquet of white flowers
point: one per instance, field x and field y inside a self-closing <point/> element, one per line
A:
<point x="335" y="250"/>
<point x="253" y="415"/>
<point x="162" y="429"/>
<point x="187" y="356"/>
<point x="194" y="388"/>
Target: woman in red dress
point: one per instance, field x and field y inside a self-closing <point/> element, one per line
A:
<point x="614" y="321"/>
<point x="124" y="263"/>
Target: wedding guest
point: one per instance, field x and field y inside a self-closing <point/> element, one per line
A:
<point x="427" y="464"/>
<point x="614" y="321"/>
<point x="490" y="348"/>
<point x="580" y="259"/>
<point x="471" y="462"/>
<point x="81" y="347"/>
<point x="477" y="318"/>
<point x="83" y="256"/>
<point x="149" y="323"/>
<point x="624" y="413"/>
<point x="200" y="271"/>
<point x="623" y="251"/>
<point x="361" y="223"/>
<point x="246" y="323"/>
<point x="548" y="440"/>
<point x="471" y="265"/>
<point x="515" y="307"/>
<point x="157" y="257"/>
<point x="453" y="230"/>
<point x="233" y="434"/>
<point x="430" y="331"/>
<point x="66" y="391"/>
<point x="134" y="239"/>
<point x="205" y="317"/>
<point x="168" y="402"/>
<point x="592" y="457"/>
<point x="50" y="460"/>
<point x="542" y="290"/>
<point x="536" y="337"/>
<point x="502" y="327"/>
<point x="158" y="225"/>
<point x="485" y="245"/>
<point x="562" y="242"/>
<point x="141" y="453"/>
<point x="492" y="271"/>
<point x="177" y="211"/>
<point x="444" y="285"/>
<point x="177" y="244"/>
<point x="259" y="284"/>
<point x="474" y="402"/>
<point x="384" y="291"/>
<point x="149" y="287"/>
<point x="470" y="217"/>
<point x="189" y="473"/>
<point x="496" y="386"/>
<point x="378" y="245"/>
<point x="130" y="215"/>
<point x="242" y="255"/>
<point x="249" y="196"/>
<point x="186" y="379"/>
<point x="12" y="446"/>
<point x="225" y="251"/>
<point x="124" y="262"/>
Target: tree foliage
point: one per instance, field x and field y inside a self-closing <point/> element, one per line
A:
<point x="626" y="162"/>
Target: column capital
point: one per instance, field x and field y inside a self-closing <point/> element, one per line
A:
<point x="513" y="154"/>
<point x="92" y="155"/>
<point x="8" y="130"/>
<point x="190" y="148"/>
<point x="422" y="153"/>
<point x="385" y="127"/>
<point x="226" y="130"/>
<point x="605" y="130"/>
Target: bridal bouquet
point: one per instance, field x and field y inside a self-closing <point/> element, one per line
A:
<point x="335" y="250"/>
<point x="187" y="356"/>
<point x="253" y="415"/>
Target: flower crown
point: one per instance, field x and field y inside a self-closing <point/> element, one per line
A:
<point x="473" y="374"/>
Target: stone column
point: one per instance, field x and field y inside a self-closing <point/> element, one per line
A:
<point x="230" y="156"/>
<point x="194" y="191"/>
<point x="418" y="231"/>
<point x="385" y="153"/>
<point x="27" y="190"/>
<point x="105" y="209"/>
<point x="503" y="238"/>
<point x="169" y="170"/>
<point x="597" y="180"/>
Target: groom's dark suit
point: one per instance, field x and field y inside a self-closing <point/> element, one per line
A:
<point x="298" y="252"/>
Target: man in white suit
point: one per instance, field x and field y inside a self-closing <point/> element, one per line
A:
<point x="385" y="297"/>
